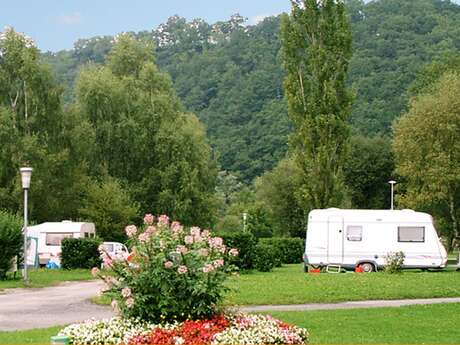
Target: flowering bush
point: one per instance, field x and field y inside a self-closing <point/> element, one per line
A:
<point x="394" y="262"/>
<point x="233" y="329"/>
<point x="172" y="274"/>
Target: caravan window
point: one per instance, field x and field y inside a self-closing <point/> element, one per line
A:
<point x="55" y="238"/>
<point x="354" y="233"/>
<point x="411" y="234"/>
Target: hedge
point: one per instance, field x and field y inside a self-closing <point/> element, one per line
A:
<point x="290" y="249"/>
<point x="80" y="253"/>
<point x="245" y="242"/>
<point x="265" y="257"/>
<point x="11" y="240"/>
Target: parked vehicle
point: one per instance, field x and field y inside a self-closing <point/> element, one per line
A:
<point x="114" y="248"/>
<point x="352" y="238"/>
<point x="48" y="237"/>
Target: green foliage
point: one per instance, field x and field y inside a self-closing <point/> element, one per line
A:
<point x="427" y="154"/>
<point x="80" y="253"/>
<point x="316" y="42"/>
<point x="265" y="257"/>
<point x="394" y="262"/>
<point x="11" y="240"/>
<point x="110" y="207"/>
<point x="367" y="171"/>
<point x="245" y="243"/>
<point x="173" y="275"/>
<point x="277" y="190"/>
<point x="291" y="249"/>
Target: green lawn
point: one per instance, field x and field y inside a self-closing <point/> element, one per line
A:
<point x="289" y="285"/>
<point x="431" y="324"/>
<point x="44" y="277"/>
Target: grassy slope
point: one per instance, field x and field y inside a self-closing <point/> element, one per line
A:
<point x="43" y="277"/>
<point x="289" y="285"/>
<point x="430" y="324"/>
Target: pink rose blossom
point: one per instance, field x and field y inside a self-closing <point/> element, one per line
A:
<point x="182" y="269"/>
<point x="144" y="237"/>
<point x="233" y="252"/>
<point x="163" y="219"/>
<point x="114" y="305"/>
<point x="181" y="249"/>
<point x="216" y="242"/>
<point x="188" y="239"/>
<point x="131" y="230"/>
<point x="195" y="231"/>
<point x="169" y="264"/>
<point x="218" y="263"/>
<point x="130" y="302"/>
<point x="107" y="261"/>
<point x="205" y="234"/>
<point x="95" y="271"/>
<point x="151" y="230"/>
<point x="110" y="281"/>
<point x="176" y="227"/>
<point x="149" y="219"/>
<point x="208" y="268"/>
<point x="126" y="292"/>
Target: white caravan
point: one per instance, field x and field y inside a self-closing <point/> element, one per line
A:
<point x="351" y="238"/>
<point x="48" y="237"/>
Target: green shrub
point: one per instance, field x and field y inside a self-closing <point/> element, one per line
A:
<point x="394" y="262"/>
<point x="172" y="274"/>
<point x="291" y="249"/>
<point x="11" y="240"/>
<point x="80" y="253"/>
<point x="245" y="242"/>
<point x="265" y="257"/>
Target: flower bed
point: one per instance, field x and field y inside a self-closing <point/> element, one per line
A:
<point x="228" y="329"/>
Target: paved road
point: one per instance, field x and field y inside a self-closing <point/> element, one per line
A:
<point x="51" y="306"/>
<point x="69" y="303"/>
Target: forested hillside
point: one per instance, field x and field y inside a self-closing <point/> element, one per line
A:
<point x="230" y="74"/>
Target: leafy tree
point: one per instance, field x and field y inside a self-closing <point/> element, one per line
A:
<point x="11" y="240"/>
<point x="110" y="207"/>
<point x="316" y="42"/>
<point x="427" y="152"/>
<point x="367" y="171"/>
<point x="277" y="190"/>
<point x="143" y="137"/>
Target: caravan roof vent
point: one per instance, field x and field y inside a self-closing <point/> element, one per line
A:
<point x="66" y="221"/>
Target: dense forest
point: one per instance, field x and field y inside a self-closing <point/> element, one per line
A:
<point x="230" y="74"/>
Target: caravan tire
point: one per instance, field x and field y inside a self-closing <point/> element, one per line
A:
<point x="367" y="267"/>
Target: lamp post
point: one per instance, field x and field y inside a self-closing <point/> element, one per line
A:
<point x="245" y="216"/>
<point x="26" y="174"/>
<point x="392" y="183"/>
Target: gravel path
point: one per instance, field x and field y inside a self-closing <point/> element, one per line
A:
<point x="69" y="302"/>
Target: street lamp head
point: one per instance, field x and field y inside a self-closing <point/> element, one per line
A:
<point x="26" y="174"/>
<point x="392" y="182"/>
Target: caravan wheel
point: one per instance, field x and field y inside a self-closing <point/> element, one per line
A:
<point x="367" y="267"/>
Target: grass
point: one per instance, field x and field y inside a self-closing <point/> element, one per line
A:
<point x="44" y="277"/>
<point x="289" y="285"/>
<point x="428" y="324"/>
<point x="33" y="336"/>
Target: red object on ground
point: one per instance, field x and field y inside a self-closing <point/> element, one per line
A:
<point x="358" y="269"/>
<point x="314" y="270"/>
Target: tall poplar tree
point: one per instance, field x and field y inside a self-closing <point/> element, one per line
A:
<point x="316" y="42"/>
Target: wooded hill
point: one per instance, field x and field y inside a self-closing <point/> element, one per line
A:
<point x="230" y="74"/>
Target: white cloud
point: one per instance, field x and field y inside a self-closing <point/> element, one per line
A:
<point x="257" y="19"/>
<point x="69" y="19"/>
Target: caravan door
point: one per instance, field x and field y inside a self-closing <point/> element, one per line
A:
<point x="335" y="240"/>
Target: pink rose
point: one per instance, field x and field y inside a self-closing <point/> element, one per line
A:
<point x="114" y="305"/>
<point x="151" y="230"/>
<point x="163" y="220"/>
<point x="107" y="261"/>
<point x="144" y="237"/>
<point x="148" y="219"/>
<point x="205" y="234"/>
<point x="218" y="263"/>
<point x="126" y="292"/>
<point x="188" y="239"/>
<point x="176" y="227"/>
<point x="131" y="230"/>
<point x="169" y="264"/>
<point x="130" y="302"/>
<point x="208" y="268"/>
<point x="195" y="231"/>
<point x="181" y="249"/>
<point x="182" y="269"/>
<point x="95" y="271"/>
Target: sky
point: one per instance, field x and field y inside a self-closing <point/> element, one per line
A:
<point x="56" y="24"/>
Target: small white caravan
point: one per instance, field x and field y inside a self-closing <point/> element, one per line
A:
<point x="49" y="236"/>
<point x="351" y="238"/>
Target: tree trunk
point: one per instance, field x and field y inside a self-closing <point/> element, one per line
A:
<point x="453" y="217"/>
